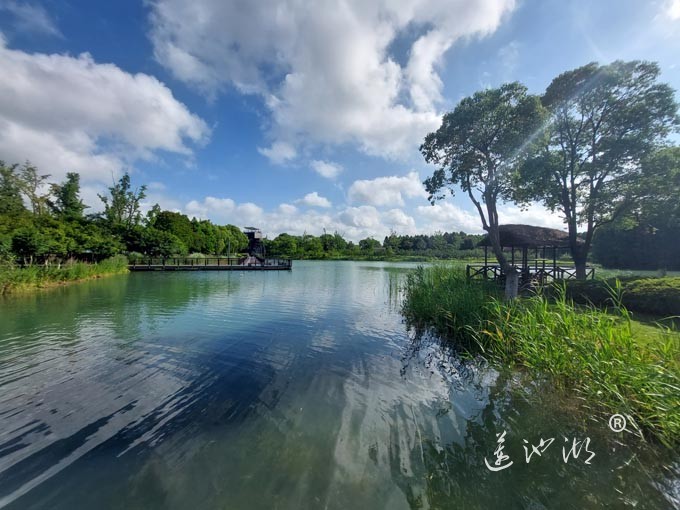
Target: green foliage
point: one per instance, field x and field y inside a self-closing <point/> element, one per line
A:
<point x="648" y="235"/>
<point x="604" y="121"/>
<point x="50" y="236"/>
<point x="580" y="349"/>
<point x="477" y="147"/>
<point x="455" y="245"/>
<point x="122" y="206"/>
<point x="443" y="300"/>
<point x="67" y="202"/>
<point x="10" y="192"/>
<point x="14" y="279"/>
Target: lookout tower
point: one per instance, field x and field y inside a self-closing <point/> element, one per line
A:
<point x="255" y="244"/>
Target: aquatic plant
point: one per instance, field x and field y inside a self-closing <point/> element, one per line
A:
<point x="13" y="278"/>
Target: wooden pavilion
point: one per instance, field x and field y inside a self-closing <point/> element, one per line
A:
<point x="534" y="251"/>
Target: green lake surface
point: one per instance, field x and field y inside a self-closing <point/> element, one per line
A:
<point x="287" y="390"/>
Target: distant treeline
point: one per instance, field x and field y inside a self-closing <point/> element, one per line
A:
<point x="334" y="246"/>
<point x="54" y="228"/>
<point x="43" y="223"/>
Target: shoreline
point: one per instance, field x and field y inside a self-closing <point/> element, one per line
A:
<point x="28" y="288"/>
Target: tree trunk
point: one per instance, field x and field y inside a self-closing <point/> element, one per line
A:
<point x="580" y="265"/>
<point x="511" y="273"/>
<point x="511" y="283"/>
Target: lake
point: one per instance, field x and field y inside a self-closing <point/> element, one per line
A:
<point x="288" y="390"/>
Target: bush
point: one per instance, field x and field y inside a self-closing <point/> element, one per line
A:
<point x="654" y="296"/>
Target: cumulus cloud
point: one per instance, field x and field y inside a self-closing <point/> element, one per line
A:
<point x="535" y="214"/>
<point x="71" y="114"/>
<point x="365" y="216"/>
<point x="399" y="221"/>
<point x="353" y="223"/>
<point x="324" y="70"/>
<point x="287" y="209"/>
<point x="326" y="169"/>
<point x="387" y="191"/>
<point x="314" y="200"/>
<point x="28" y="17"/>
<point x="448" y="217"/>
<point x="279" y="152"/>
<point x="225" y="210"/>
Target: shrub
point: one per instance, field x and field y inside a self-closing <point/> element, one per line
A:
<point x="654" y="296"/>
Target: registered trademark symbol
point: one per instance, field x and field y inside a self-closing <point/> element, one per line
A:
<point x="617" y="423"/>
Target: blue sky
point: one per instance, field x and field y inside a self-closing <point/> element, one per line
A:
<point x="291" y="115"/>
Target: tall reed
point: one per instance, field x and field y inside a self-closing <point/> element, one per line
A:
<point x="13" y="278"/>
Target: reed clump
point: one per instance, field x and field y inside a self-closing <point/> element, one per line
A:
<point x="594" y="353"/>
<point x="14" y="278"/>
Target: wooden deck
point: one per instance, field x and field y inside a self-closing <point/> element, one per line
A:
<point x="209" y="264"/>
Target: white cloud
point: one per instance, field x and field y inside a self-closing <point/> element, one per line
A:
<point x="314" y="200"/>
<point x="535" y="214"/>
<point x="399" y="221"/>
<point x="324" y="69"/>
<point x="326" y="169"/>
<point x="448" y="217"/>
<point x="287" y="209"/>
<point x="387" y="191"/>
<point x="365" y="216"/>
<point x="225" y="210"/>
<point x="355" y="223"/>
<point x="279" y="152"/>
<point x="673" y="9"/>
<point x="71" y="114"/>
<point x="30" y="18"/>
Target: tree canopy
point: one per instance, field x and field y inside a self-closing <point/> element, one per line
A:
<point x="604" y="120"/>
<point x="477" y="148"/>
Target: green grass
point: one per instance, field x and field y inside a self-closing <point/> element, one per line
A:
<point x="612" y="363"/>
<point x="15" y="279"/>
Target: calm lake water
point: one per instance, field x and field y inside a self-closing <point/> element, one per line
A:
<point x="287" y="390"/>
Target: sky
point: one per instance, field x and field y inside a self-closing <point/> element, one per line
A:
<point x="290" y="115"/>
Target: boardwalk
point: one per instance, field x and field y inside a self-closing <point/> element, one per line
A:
<point x="211" y="264"/>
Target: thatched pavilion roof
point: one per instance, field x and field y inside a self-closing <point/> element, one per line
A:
<point x="530" y="236"/>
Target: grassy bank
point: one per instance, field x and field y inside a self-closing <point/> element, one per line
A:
<point x="654" y="296"/>
<point x="16" y="279"/>
<point x="598" y="355"/>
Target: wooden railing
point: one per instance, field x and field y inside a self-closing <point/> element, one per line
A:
<point x="540" y="273"/>
<point x="208" y="262"/>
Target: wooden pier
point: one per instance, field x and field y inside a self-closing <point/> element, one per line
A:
<point x="211" y="264"/>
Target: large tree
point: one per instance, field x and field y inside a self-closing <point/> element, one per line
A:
<point x="477" y="148"/>
<point x="34" y="186"/>
<point x="604" y="120"/>
<point x="11" y="203"/>
<point x="67" y="202"/>
<point x="122" y="207"/>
